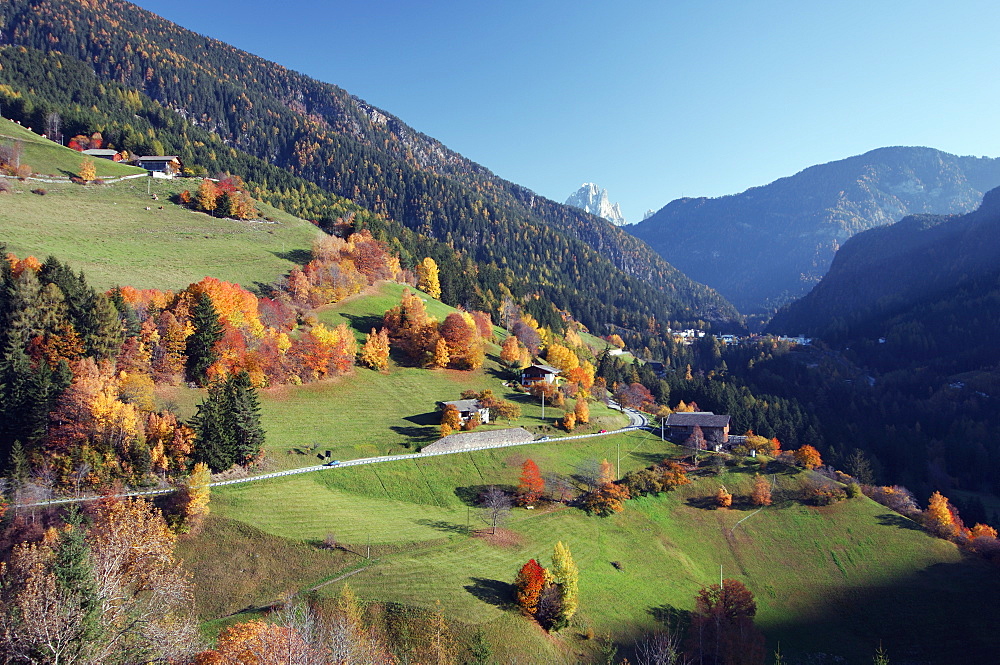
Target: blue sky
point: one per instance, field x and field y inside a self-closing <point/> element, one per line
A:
<point x="651" y="100"/>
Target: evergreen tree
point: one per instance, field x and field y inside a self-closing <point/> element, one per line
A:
<point x="103" y="332"/>
<point x="201" y="344"/>
<point x="227" y="424"/>
<point x="243" y="414"/>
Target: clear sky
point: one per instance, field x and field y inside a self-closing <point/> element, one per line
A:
<point x="652" y="100"/>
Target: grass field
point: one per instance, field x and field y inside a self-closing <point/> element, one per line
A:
<point x="836" y="580"/>
<point x="107" y="231"/>
<point x="48" y="158"/>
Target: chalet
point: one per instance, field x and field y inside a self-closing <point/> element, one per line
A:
<point x="104" y="153"/>
<point x="468" y="408"/>
<point x="715" y="428"/>
<point x="539" y="373"/>
<point x="160" y="166"/>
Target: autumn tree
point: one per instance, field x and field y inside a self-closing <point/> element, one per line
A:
<point x="723" y="499"/>
<point x="528" y="586"/>
<point x="207" y="196"/>
<point x="530" y="485"/>
<point x="441" y="357"/>
<point x="88" y="171"/>
<point x="605" y="499"/>
<point x="375" y="352"/>
<point x="807" y="457"/>
<point x="939" y="517"/>
<point x="761" y="495"/>
<point x="510" y="352"/>
<point x="427" y="278"/>
<point x="451" y="420"/>
<point x="567" y="577"/>
<point x="722" y="629"/>
<point x="569" y="421"/>
<point x="97" y="594"/>
<point x="194" y="497"/>
<point x="582" y="411"/>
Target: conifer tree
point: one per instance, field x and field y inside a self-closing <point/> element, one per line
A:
<point x="441" y="355"/>
<point x="201" y="344"/>
<point x="243" y="415"/>
<point x="582" y="411"/>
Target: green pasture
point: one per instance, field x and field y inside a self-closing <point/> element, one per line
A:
<point x="107" y="232"/>
<point x="819" y="575"/>
<point x="48" y="158"/>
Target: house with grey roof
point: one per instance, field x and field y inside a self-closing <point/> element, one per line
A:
<point x="714" y="428"/>
<point x="468" y="408"/>
<point x="103" y="153"/>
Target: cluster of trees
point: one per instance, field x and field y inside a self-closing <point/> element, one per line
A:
<point x="458" y="342"/>
<point x="550" y="596"/>
<point x="940" y="518"/>
<point x="225" y="196"/>
<point x="103" y="587"/>
<point x="10" y="159"/>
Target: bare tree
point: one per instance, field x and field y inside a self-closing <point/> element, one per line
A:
<point x="53" y="127"/>
<point x="495" y="506"/>
<point x="661" y="649"/>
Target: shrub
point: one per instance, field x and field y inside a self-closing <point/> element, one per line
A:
<point x="4" y="187"/>
<point x="853" y="490"/>
<point x="723" y="499"/>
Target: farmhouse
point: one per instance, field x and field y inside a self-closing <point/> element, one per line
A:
<point x="104" y="153"/>
<point x="715" y="428"/>
<point x="160" y="166"/>
<point x="468" y="408"/>
<point x="539" y="373"/>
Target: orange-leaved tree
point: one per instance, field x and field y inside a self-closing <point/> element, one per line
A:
<point x="761" y="495"/>
<point x="530" y="484"/>
<point x="528" y="586"/>
<point x="807" y="457"/>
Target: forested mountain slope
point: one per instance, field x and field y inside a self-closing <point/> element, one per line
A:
<point x="927" y="285"/>
<point x="770" y="244"/>
<point x="321" y="133"/>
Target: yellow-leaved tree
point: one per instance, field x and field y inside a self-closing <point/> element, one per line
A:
<point x="88" y="171"/>
<point x="428" y="279"/>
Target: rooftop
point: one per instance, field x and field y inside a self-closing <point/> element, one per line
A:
<point x="699" y="418"/>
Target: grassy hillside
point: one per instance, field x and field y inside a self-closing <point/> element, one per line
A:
<point x="48" y="158"/>
<point x="835" y="580"/>
<point x="372" y="413"/>
<point x="108" y="232"/>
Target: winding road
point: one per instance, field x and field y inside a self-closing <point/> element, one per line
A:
<point x="637" y="420"/>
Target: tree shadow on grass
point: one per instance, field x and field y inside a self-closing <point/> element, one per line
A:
<point x="432" y="418"/>
<point x="892" y="519"/>
<point x="703" y="502"/>
<point x="441" y="525"/>
<point x="418" y="434"/>
<point x="298" y="256"/>
<point x="672" y="617"/>
<point x="471" y="494"/>
<point x="364" y="322"/>
<point x="492" y="592"/>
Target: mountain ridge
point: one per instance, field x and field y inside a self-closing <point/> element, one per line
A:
<point x="357" y="151"/>
<point x="771" y="243"/>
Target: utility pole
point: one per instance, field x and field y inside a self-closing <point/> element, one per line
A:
<point x="662" y="420"/>
<point x="618" y="447"/>
<point x="543" y="406"/>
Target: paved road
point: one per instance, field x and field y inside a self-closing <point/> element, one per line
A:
<point x="637" y="421"/>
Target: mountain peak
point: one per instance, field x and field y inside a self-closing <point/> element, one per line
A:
<point x="594" y="200"/>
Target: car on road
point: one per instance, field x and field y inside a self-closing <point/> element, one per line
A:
<point x="603" y="431"/>
<point x="543" y="438"/>
<point x="333" y="462"/>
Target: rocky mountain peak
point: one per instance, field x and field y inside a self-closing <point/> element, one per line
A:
<point x="594" y="200"/>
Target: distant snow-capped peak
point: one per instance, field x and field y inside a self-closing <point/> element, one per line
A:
<point x="594" y="200"/>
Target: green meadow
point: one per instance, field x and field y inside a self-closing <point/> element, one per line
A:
<point x="48" y="158"/>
